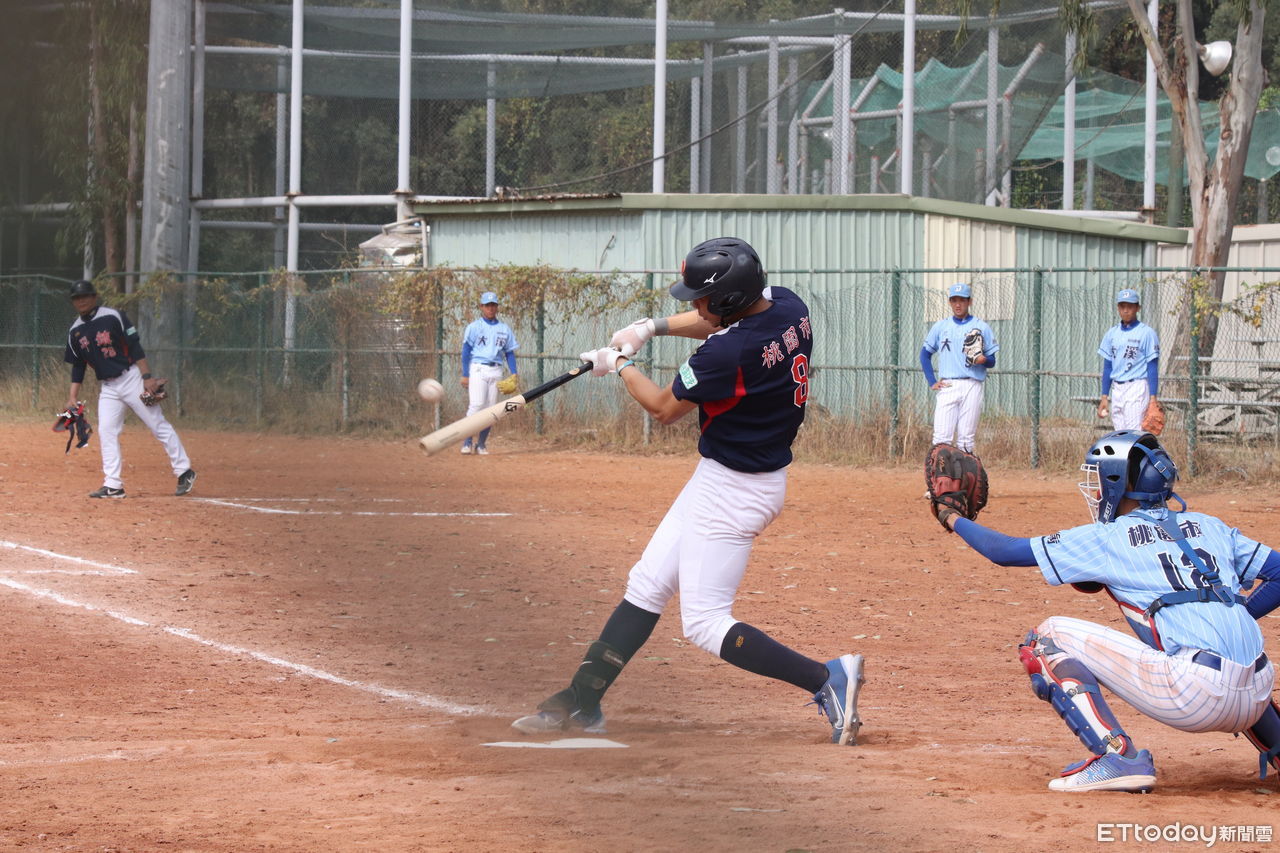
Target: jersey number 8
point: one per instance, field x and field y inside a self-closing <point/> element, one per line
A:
<point x="800" y="373"/>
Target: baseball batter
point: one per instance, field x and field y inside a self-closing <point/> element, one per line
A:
<point x="966" y="349"/>
<point x="749" y="382"/>
<point x="1130" y="353"/>
<point x="105" y="338"/>
<point x="1197" y="662"/>
<point x="487" y="344"/>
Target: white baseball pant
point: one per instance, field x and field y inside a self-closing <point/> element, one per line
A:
<point x="1173" y="689"/>
<point x="1129" y="401"/>
<point x="125" y="392"/>
<point x="482" y="392"/>
<point x="701" y="548"/>
<point x="956" y="413"/>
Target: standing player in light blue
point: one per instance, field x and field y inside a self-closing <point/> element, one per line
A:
<point x="1130" y="353"/>
<point x="487" y="344"/>
<point x="1197" y="662"/>
<point x="961" y="369"/>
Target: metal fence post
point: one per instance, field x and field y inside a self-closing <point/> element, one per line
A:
<point x="895" y="332"/>
<point x="646" y="420"/>
<point x="1037" y="353"/>
<point x="1193" y="390"/>
<point x="35" y="348"/>
<point x="538" y="424"/>
<point x="260" y="351"/>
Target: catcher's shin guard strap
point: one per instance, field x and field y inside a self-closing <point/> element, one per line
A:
<point x="1072" y="690"/>
<point x="1265" y="735"/>
<point x="599" y="668"/>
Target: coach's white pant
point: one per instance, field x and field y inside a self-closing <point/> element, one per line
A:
<point x="956" y="413"/>
<point x="702" y="545"/>
<point x="1188" y="696"/>
<point x="1129" y="401"/>
<point x="125" y="391"/>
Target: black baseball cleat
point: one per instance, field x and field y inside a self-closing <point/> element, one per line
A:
<point x="107" y="492"/>
<point x="186" y="480"/>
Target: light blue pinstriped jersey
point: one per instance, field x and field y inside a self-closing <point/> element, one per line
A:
<point x="946" y="338"/>
<point x="490" y="341"/>
<point x="1129" y="350"/>
<point x="1132" y="557"/>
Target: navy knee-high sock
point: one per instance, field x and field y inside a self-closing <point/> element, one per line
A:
<point x="755" y="651"/>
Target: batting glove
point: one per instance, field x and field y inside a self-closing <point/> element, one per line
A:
<point x="633" y="337"/>
<point x="603" y="360"/>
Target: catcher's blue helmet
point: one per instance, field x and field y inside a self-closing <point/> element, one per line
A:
<point x="1127" y="464"/>
<point x="726" y="269"/>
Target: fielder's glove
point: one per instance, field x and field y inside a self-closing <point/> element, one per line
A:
<point x="957" y="483"/>
<point x="972" y="346"/>
<point x="630" y="339"/>
<point x="509" y="385"/>
<point x="1153" y="419"/>
<point x="153" y="397"/>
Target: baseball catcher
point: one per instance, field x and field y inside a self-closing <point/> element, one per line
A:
<point x="74" y="421"/>
<point x="1153" y="420"/>
<point x="972" y="346"/>
<point x="957" y="483"/>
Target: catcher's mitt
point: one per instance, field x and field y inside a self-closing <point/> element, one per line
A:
<point x="509" y="385"/>
<point x="1153" y="420"/>
<point x="972" y="346"/>
<point x="957" y="483"/>
<point x="152" y="398"/>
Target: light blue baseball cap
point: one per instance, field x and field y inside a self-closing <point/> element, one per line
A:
<point x="488" y="298"/>
<point x="1128" y="295"/>
<point x="959" y="289"/>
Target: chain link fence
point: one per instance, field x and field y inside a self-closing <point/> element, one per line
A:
<point x="342" y="351"/>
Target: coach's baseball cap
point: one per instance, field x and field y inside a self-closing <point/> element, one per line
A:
<point x="83" y="287"/>
<point x="488" y="298"/>
<point x="959" y="289"/>
<point x="1128" y="295"/>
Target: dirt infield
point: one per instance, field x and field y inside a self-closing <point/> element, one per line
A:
<point x="312" y="649"/>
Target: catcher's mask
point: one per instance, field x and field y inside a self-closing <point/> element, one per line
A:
<point x="1127" y="464"/>
<point x="726" y="269"/>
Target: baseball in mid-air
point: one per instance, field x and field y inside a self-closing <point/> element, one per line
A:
<point x="430" y="390"/>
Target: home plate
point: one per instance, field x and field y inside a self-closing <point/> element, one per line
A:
<point x="563" y="743"/>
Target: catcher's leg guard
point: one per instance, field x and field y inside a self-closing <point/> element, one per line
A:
<point x="1265" y="735"/>
<point x="1072" y="690"/>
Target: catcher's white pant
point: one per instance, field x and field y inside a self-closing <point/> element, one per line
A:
<point x="1173" y="689"/>
<point x="702" y="545"/>
<point x="1129" y="401"/>
<point x="117" y="395"/>
<point x="956" y="413"/>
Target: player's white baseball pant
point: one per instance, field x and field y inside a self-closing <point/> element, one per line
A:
<point x="702" y="545"/>
<point x="956" y="412"/>
<point x="1129" y="401"/>
<point x="482" y="390"/>
<point x="1188" y="696"/>
<point x="114" y="399"/>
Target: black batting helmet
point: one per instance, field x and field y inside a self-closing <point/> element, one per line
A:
<point x="726" y="269"/>
<point x="82" y="287"/>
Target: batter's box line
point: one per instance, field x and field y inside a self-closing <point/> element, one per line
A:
<point x="421" y="700"/>
<point x="279" y="511"/>
<point x="98" y="568"/>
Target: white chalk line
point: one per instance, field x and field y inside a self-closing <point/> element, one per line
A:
<point x="421" y="700"/>
<point x="100" y="568"/>
<point x="279" y="511"/>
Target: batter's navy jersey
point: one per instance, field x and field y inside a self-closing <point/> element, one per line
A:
<point x="1138" y="563"/>
<point x="107" y="340"/>
<point x="750" y="382"/>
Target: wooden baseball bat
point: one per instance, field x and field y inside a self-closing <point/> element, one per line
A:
<point x="485" y="418"/>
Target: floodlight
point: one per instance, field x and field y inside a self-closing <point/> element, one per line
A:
<point x="1216" y="56"/>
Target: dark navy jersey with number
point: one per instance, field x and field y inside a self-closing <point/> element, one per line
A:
<point x="107" y="341"/>
<point x="750" y="382"/>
